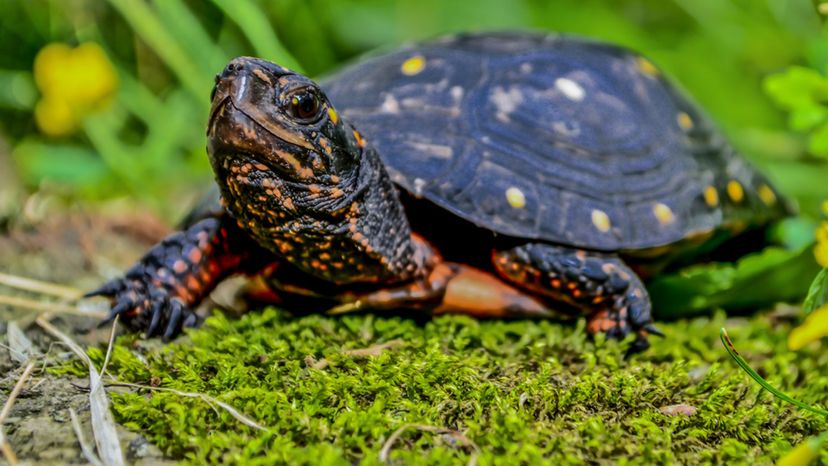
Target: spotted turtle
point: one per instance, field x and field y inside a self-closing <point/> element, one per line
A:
<point x="493" y="174"/>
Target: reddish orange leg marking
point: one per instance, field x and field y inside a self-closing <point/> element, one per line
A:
<point x="453" y="288"/>
<point x="599" y="285"/>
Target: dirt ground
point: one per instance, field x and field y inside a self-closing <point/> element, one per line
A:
<point x="77" y="249"/>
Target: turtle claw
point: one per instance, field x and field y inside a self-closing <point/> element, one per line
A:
<point x="107" y="289"/>
<point x="155" y="320"/>
<point x="653" y="330"/>
<point x="176" y="310"/>
<point x="148" y="306"/>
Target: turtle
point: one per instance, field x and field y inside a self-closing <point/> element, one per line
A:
<point x="495" y="174"/>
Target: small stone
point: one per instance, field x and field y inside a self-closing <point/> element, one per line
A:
<point x="678" y="409"/>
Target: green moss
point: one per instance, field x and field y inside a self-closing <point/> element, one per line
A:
<point x="522" y="391"/>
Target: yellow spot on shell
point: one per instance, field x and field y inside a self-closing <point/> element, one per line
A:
<point x="767" y="195"/>
<point x="646" y="67"/>
<point x="333" y="116"/>
<point x="711" y="196"/>
<point x="684" y="121"/>
<point x="515" y="198"/>
<point x="663" y="213"/>
<point x="571" y="89"/>
<point x="601" y="220"/>
<point x="413" y="65"/>
<point x="735" y="191"/>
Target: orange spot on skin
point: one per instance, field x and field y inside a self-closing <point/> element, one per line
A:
<point x="288" y="203"/>
<point x="179" y="266"/>
<point x="193" y="284"/>
<point x="556" y="283"/>
<point x="359" y="140"/>
<point x="195" y="256"/>
<point x="262" y="75"/>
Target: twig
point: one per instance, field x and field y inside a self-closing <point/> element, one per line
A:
<point x="373" y="350"/>
<point x="85" y="447"/>
<point x="57" y="308"/>
<point x="386" y="448"/>
<point x="37" y="286"/>
<point x="103" y="425"/>
<point x="4" y="444"/>
<point x="206" y="398"/>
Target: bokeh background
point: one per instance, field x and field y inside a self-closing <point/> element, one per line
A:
<point x="105" y="101"/>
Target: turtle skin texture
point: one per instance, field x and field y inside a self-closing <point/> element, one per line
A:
<point x="492" y="174"/>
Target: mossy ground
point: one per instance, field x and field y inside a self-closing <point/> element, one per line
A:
<point x="524" y="392"/>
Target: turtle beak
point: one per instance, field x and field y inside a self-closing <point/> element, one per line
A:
<point x="231" y="85"/>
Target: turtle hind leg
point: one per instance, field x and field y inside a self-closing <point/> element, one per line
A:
<point x="453" y="288"/>
<point x="600" y="285"/>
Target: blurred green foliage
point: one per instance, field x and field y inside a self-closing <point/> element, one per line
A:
<point x="148" y="144"/>
<point x="804" y="92"/>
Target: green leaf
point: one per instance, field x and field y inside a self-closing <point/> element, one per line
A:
<point x="808" y="117"/>
<point x="818" y="144"/>
<point x="818" y="293"/>
<point x="772" y="275"/>
<point x="797" y="87"/>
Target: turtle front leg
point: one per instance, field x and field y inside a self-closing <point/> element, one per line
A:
<point x="161" y="290"/>
<point x="600" y="285"/>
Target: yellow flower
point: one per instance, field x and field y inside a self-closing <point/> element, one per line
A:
<point x="804" y="454"/>
<point x="74" y="82"/>
<point x="814" y="328"/>
<point x="821" y="247"/>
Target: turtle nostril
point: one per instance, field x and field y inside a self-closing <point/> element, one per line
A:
<point x="231" y="70"/>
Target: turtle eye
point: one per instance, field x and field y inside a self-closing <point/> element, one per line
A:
<point x="303" y="105"/>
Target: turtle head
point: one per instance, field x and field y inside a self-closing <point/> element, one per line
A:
<point x="264" y="115"/>
<point x="302" y="181"/>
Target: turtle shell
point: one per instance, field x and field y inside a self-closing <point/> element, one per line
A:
<point x="554" y="138"/>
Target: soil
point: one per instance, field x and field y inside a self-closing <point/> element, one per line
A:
<point x="78" y="249"/>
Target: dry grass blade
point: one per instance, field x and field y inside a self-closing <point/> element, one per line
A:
<point x="386" y="448"/>
<point x="56" y="308"/>
<point x="20" y="347"/>
<point x="103" y="425"/>
<point x="206" y="398"/>
<point x="37" y="286"/>
<point x="8" y="453"/>
<point x="5" y="448"/>
<point x="374" y="350"/>
<point x="110" y="345"/>
<point x="85" y="447"/>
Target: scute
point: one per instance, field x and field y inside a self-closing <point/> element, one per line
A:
<point x="582" y="132"/>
